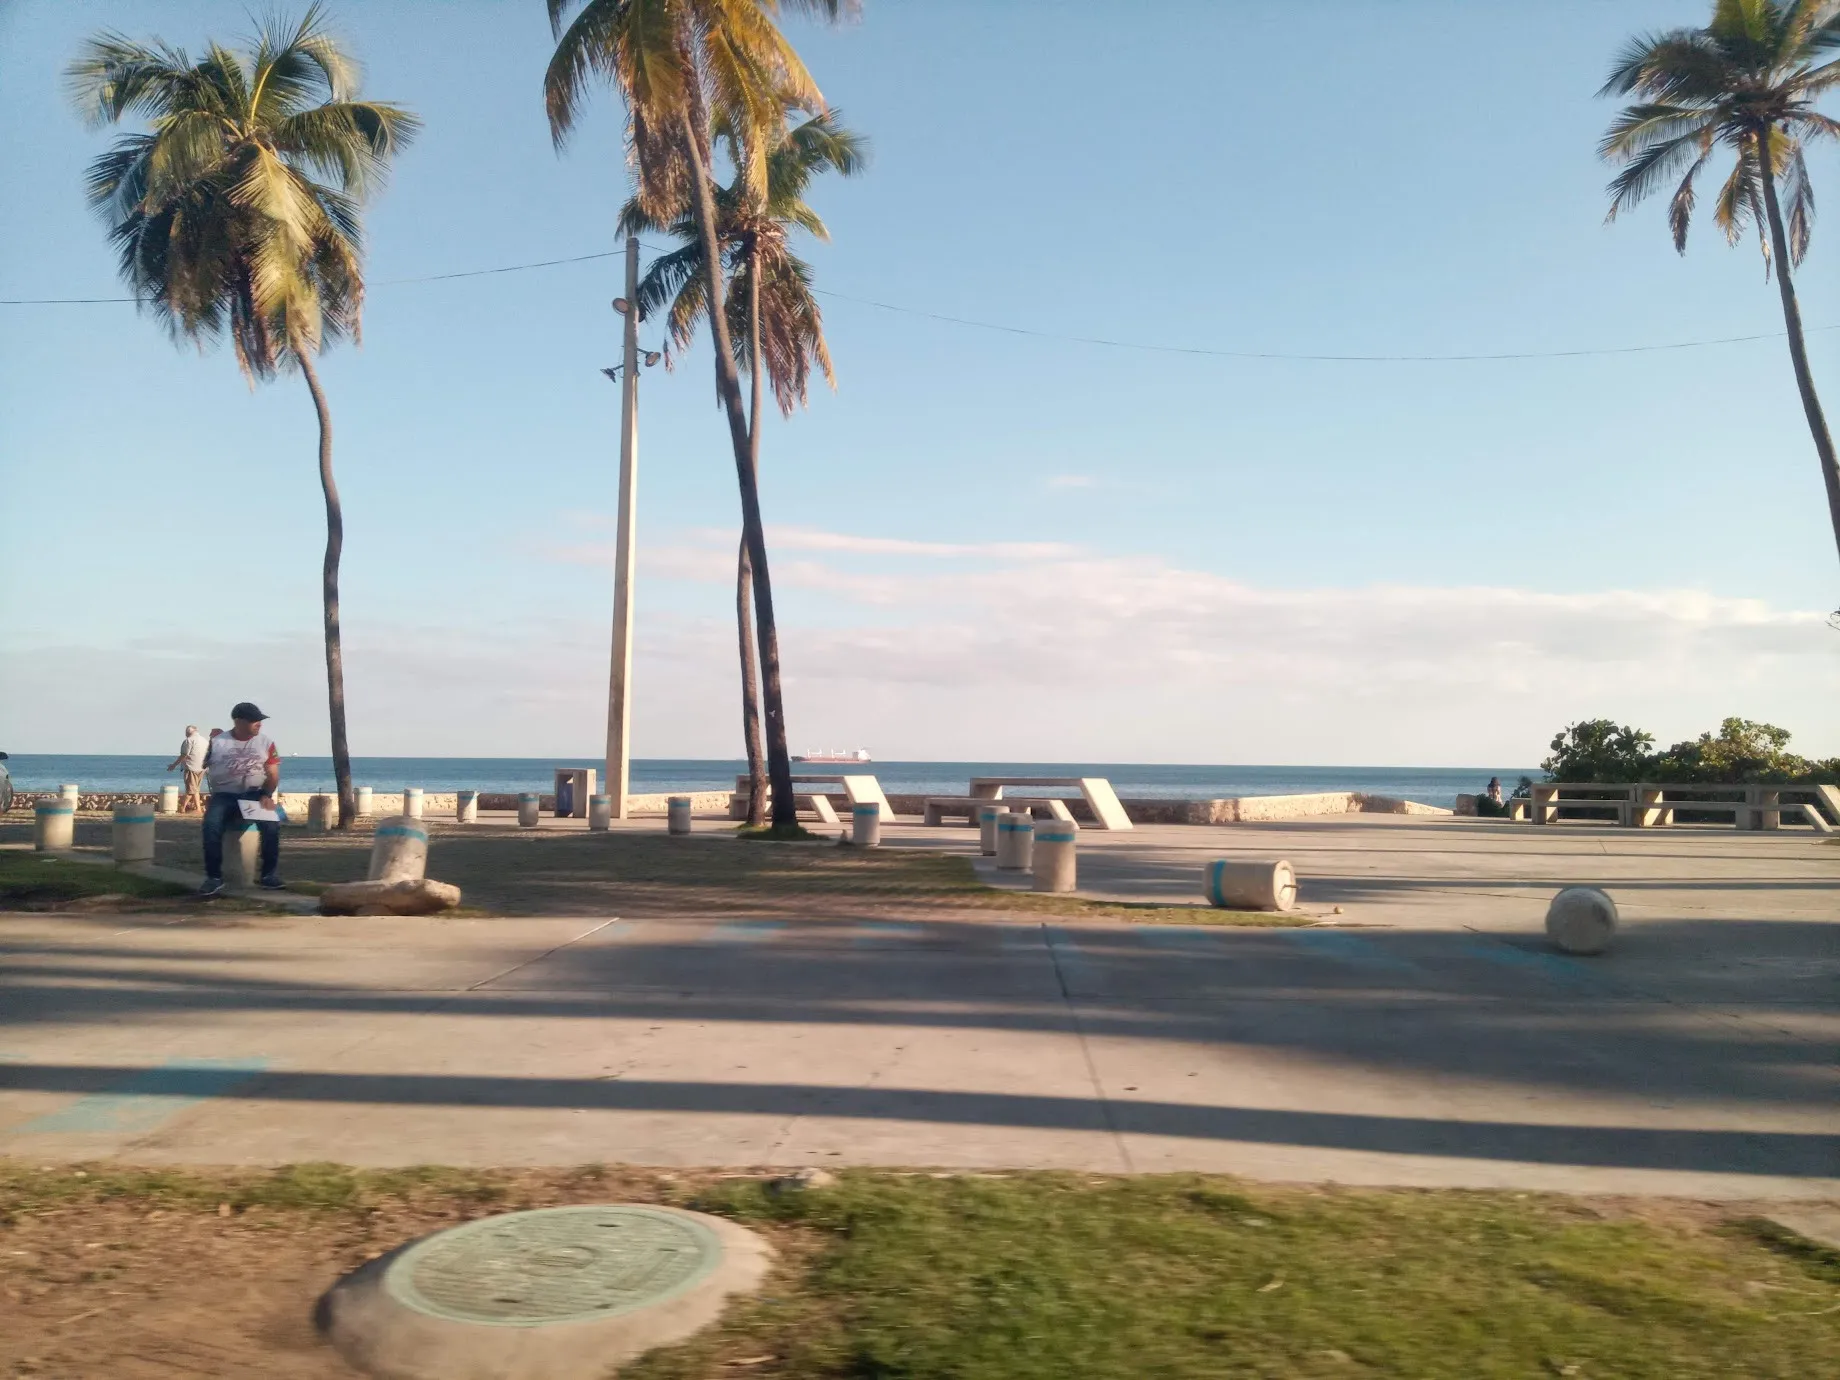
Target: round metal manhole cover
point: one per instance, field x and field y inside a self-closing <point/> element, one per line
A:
<point x="554" y="1265"/>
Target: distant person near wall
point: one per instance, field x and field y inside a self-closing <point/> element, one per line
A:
<point x="243" y="765"/>
<point x="191" y="760"/>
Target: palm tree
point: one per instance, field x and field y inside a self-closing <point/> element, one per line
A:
<point x="238" y="213"/>
<point x="1747" y="82"/>
<point x="679" y="66"/>
<point x="770" y="307"/>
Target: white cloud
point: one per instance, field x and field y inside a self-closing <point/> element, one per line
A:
<point x="1030" y="651"/>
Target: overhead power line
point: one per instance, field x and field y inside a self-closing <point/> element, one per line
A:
<point x="1102" y="341"/>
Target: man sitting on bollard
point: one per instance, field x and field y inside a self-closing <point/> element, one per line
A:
<point x="243" y="766"/>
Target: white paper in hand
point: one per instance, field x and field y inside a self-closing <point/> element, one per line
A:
<point x="253" y="811"/>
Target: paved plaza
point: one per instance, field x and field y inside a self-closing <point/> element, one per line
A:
<point x="1425" y="1034"/>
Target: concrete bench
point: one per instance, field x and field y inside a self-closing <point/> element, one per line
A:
<point x="856" y="789"/>
<point x="1648" y="804"/>
<point x="1101" y="799"/>
<point x="936" y="807"/>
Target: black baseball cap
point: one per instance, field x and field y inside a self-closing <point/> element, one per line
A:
<point x="246" y="710"/>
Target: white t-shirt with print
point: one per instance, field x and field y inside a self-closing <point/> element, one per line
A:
<point x="239" y="764"/>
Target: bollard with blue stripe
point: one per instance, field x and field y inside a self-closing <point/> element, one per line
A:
<point x="466" y="807"/>
<point x="412" y="802"/>
<point x="399" y="850"/>
<point x="361" y="799"/>
<point x="1054" y="863"/>
<point x="677" y="815"/>
<point x="987" y="817"/>
<point x="54" y="825"/>
<point x="600" y="812"/>
<point x="1015" y="842"/>
<point x="528" y="803"/>
<point x="132" y="839"/>
<point x="866" y="825"/>
<point x="1234" y="885"/>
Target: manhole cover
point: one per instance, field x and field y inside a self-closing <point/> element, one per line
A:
<point x="554" y="1265"/>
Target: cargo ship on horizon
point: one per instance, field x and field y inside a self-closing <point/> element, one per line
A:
<point x="832" y="758"/>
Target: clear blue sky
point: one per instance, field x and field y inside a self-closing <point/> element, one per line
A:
<point x="990" y="544"/>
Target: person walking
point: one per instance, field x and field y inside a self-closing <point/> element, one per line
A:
<point x="191" y="758"/>
<point x="243" y="765"/>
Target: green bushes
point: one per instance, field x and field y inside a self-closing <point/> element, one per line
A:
<point x="1603" y="750"/>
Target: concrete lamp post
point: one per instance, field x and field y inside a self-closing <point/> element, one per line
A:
<point x="619" y="681"/>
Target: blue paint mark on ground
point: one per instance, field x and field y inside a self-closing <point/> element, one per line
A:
<point x="1348" y="948"/>
<point x="1512" y="956"/>
<point x="148" y="1098"/>
<point x="746" y="931"/>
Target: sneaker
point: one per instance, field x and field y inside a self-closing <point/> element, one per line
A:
<point x="213" y="886"/>
<point x="272" y="882"/>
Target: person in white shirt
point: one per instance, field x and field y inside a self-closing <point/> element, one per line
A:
<point x="242" y="764"/>
<point x="191" y="758"/>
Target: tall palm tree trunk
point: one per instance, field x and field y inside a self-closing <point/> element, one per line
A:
<point x="329" y="594"/>
<point x="744" y="569"/>
<point x="728" y="388"/>
<point x="1798" y="348"/>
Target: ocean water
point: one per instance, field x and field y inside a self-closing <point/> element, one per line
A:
<point x="1430" y="785"/>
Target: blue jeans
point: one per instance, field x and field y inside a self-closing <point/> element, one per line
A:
<point x="221" y="812"/>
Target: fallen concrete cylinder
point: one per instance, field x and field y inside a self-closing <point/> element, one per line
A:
<point x="1581" y="920"/>
<point x="866" y="825"/>
<point x="412" y="802"/>
<point x="528" y="802"/>
<point x="466" y="807"/>
<point x="54" y="825"/>
<point x="322" y="810"/>
<point x="399" y="850"/>
<point x="677" y="814"/>
<point x="410" y="896"/>
<point x="600" y="812"/>
<point x="242" y="855"/>
<point x="1251" y="885"/>
<point x="1054" y="864"/>
<point x="362" y="803"/>
<point x="169" y="799"/>
<point x="987" y="817"/>
<point x="132" y="840"/>
<point x="1015" y="842"/>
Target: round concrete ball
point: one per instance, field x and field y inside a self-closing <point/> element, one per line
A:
<point x="1581" y="920"/>
<point x="568" y="1293"/>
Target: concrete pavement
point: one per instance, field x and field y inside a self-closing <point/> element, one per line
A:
<point x="1429" y="1037"/>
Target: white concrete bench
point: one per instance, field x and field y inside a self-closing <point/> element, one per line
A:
<point x="1648" y="804"/>
<point x="1100" y="797"/>
<point x="856" y="789"/>
<point x="937" y="807"/>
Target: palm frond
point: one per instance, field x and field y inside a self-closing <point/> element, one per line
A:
<point x="114" y="77"/>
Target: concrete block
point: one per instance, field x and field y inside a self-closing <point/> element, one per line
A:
<point x="987" y="816"/>
<point x="1054" y="863"/>
<point x="866" y="825"/>
<point x="242" y="855"/>
<point x="600" y="813"/>
<point x="322" y="813"/>
<point x="529" y="804"/>
<point x="677" y="815"/>
<point x="363" y="802"/>
<point x="1015" y="842"/>
<point x="169" y="799"/>
<point x="466" y="807"/>
<point x="406" y="896"/>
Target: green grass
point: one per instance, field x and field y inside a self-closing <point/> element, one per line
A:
<point x="1044" y="1277"/>
<point x="889" y="1276"/>
<point x="34" y="879"/>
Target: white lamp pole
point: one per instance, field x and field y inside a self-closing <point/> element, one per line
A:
<point x="619" y="682"/>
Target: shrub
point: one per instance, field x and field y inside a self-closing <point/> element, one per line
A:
<point x="1599" y="750"/>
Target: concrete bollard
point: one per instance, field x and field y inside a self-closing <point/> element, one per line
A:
<point x="322" y="811"/>
<point x="600" y="813"/>
<point x="54" y="825"/>
<point x="1015" y="842"/>
<point x="71" y="794"/>
<point x="866" y="825"/>
<point x="1054" y="864"/>
<point x="399" y="850"/>
<point x="677" y="814"/>
<point x="362" y="803"/>
<point x="1251" y="885"/>
<point x="466" y="807"/>
<point x="527" y="809"/>
<point x="242" y="855"/>
<point x="169" y="799"/>
<point x="132" y="840"/>
<point x="412" y="801"/>
<point x="987" y="817"/>
<point x="1581" y="920"/>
